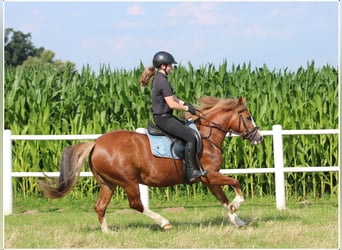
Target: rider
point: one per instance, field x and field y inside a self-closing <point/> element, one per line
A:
<point x="164" y="102"/>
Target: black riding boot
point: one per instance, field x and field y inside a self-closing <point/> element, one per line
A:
<point x="191" y="172"/>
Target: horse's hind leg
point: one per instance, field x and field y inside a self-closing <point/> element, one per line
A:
<point x="133" y="195"/>
<point x="105" y="196"/>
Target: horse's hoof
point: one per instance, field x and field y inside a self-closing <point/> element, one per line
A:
<point x="239" y="223"/>
<point x="167" y="227"/>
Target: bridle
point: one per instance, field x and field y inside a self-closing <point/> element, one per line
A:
<point x="249" y="134"/>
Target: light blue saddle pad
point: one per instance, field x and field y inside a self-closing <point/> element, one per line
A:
<point x="161" y="145"/>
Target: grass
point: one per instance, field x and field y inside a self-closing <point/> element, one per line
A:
<point x="72" y="223"/>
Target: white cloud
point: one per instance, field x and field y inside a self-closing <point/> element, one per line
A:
<point x="120" y="43"/>
<point x="206" y="14"/>
<point x="191" y="8"/>
<point x="198" y="13"/>
<point x="135" y="10"/>
<point x="274" y="12"/>
<point x="128" y="24"/>
<point x="206" y="19"/>
<point x="254" y="30"/>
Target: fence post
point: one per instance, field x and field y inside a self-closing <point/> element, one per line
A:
<point x="144" y="196"/>
<point x="7" y="172"/>
<point x="279" y="167"/>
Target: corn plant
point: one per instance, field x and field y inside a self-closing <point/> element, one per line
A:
<point x="49" y="102"/>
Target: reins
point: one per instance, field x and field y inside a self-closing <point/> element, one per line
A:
<point x="211" y="125"/>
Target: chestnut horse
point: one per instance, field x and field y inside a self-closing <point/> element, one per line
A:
<point x="123" y="158"/>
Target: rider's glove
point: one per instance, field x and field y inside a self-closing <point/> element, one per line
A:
<point x="191" y="109"/>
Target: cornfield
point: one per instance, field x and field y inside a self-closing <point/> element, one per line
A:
<point x="70" y="102"/>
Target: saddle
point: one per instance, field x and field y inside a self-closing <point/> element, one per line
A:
<point x="176" y="146"/>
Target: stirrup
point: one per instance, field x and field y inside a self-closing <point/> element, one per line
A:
<point x="203" y="172"/>
<point x="200" y="172"/>
<point x="195" y="177"/>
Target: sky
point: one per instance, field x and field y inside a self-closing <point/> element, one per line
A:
<point x="123" y="34"/>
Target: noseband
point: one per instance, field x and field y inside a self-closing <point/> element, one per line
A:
<point x="249" y="134"/>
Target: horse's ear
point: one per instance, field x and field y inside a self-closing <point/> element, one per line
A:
<point x="242" y="100"/>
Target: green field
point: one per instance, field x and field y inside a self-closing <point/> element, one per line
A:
<point x="197" y="223"/>
<point x="49" y="102"/>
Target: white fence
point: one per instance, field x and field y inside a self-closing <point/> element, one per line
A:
<point x="278" y="169"/>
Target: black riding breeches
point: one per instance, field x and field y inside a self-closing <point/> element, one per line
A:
<point x="173" y="126"/>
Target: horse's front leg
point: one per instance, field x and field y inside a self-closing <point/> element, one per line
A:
<point x="214" y="181"/>
<point x="218" y="179"/>
<point x="231" y="207"/>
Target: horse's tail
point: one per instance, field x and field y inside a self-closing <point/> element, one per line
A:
<point x="73" y="158"/>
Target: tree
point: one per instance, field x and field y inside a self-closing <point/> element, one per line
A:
<point x="45" y="60"/>
<point x="20" y="51"/>
<point x="18" y="47"/>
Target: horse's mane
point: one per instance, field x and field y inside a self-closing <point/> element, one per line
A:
<point x="212" y="104"/>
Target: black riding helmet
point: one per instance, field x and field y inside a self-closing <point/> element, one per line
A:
<point x="163" y="57"/>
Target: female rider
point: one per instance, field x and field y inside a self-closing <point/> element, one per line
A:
<point x="164" y="102"/>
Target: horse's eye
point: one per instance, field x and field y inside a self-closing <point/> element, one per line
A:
<point x="249" y="118"/>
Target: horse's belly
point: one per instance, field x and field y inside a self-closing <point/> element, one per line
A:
<point x="125" y="156"/>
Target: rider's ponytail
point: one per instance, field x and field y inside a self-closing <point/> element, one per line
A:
<point x="147" y="75"/>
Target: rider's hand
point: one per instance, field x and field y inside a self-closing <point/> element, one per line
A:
<point x="191" y="109"/>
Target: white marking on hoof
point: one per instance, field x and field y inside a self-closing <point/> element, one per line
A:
<point x="167" y="227"/>
<point x="238" y="199"/>
<point x="160" y="220"/>
<point x="235" y="204"/>
<point x="104" y="226"/>
<point x="236" y="220"/>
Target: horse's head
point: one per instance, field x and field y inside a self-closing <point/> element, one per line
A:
<point x="244" y="125"/>
<point x="227" y="116"/>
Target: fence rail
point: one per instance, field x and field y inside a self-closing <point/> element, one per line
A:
<point x="278" y="168"/>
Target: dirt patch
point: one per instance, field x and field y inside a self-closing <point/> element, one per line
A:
<point x="175" y="209"/>
<point x="125" y="211"/>
<point x="31" y="212"/>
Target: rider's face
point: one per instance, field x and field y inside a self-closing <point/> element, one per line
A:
<point x="167" y="68"/>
